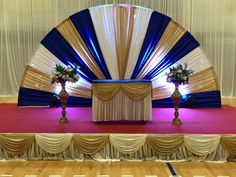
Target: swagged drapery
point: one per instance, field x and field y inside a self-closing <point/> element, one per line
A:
<point x="103" y="147"/>
<point x="134" y="90"/>
<point x="121" y="100"/>
<point x="22" y="31"/>
<point x="119" y="41"/>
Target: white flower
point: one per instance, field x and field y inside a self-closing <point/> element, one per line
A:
<point x="169" y="80"/>
<point x="179" y="71"/>
<point x="64" y="73"/>
<point x="68" y="68"/>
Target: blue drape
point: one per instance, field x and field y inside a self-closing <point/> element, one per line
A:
<point x="186" y="44"/>
<point x="194" y="100"/>
<point x="32" y="97"/>
<point x="157" y="25"/>
<point x="84" y="25"/>
<point x="59" y="47"/>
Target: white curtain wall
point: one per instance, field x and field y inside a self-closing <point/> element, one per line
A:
<point x="23" y="23"/>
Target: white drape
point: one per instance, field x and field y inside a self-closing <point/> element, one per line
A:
<point x="201" y="144"/>
<point x="127" y="144"/>
<point x="25" y="22"/>
<point x="106" y="28"/>
<point x="53" y="143"/>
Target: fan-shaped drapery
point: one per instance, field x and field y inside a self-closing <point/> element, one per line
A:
<point x="119" y="42"/>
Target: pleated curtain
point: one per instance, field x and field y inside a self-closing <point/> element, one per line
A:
<point x="211" y="23"/>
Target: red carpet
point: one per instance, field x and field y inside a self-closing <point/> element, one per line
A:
<point x="45" y="120"/>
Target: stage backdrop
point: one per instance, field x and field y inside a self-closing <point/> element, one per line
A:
<point x="24" y="23"/>
<point x="119" y="42"/>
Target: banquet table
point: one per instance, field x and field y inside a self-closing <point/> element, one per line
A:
<point x="121" y="100"/>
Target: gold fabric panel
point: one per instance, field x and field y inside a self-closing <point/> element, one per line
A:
<point x="105" y="91"/>
<point x="164" y="144"/>
<point x="90" y="144"/>
<point x="61" y="146"/>
<point x="124" y="24"/>
<point x="200" y="82"/>
<point x="69" y="32"/>
<point x="229" y="143"/>
<point x="135" y="91"/>
<point x="16" y="144"/>
<point x="37" y="80"/>
<point x="169" y="38"/>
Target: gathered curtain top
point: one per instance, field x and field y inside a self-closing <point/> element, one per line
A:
<point x="134" y="90"/>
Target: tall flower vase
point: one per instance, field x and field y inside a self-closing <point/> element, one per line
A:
<point x="63" y="95"/>
<point x="176" y="97"/>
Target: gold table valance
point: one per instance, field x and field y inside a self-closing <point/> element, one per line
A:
<point x="114" y="101"/>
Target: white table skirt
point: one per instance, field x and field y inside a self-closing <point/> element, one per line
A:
<point x="121" y="107"/>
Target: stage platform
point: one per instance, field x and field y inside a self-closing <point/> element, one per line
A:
<point x="207" y="134"/>
<point x="45" y="120"/>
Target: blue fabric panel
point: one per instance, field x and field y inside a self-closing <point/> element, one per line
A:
<point x="157" y="25"/>
<point x="84" y="25"/>
<point x="79" y="102"/>
<point x="193" y="100"/>
<point x="59" y="47"/>
<point x="119" y="81"/>
<point x="186" y="44"/>
<point x="32" y="97"/>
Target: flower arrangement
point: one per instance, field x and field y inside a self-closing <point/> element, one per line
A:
<point x="179" y="74"/>
<point x="63" y="74"/>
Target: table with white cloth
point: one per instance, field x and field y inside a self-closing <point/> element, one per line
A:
<point x="121" y="100"/>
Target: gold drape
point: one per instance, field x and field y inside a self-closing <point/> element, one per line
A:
<point x="229" y="143"/>
<point x="109" y="146"/>
<point x="134" y="90"/>
<point x="170" y="37"/>
<point x="38" y="80"/>
<point x="16" y="144"/>
<point x="71" y="35"/>
<point x="105" y="91"/>
<point x="164" y="144"/>
<point x="90" y="144"/>
<point x="123" y="23"/>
